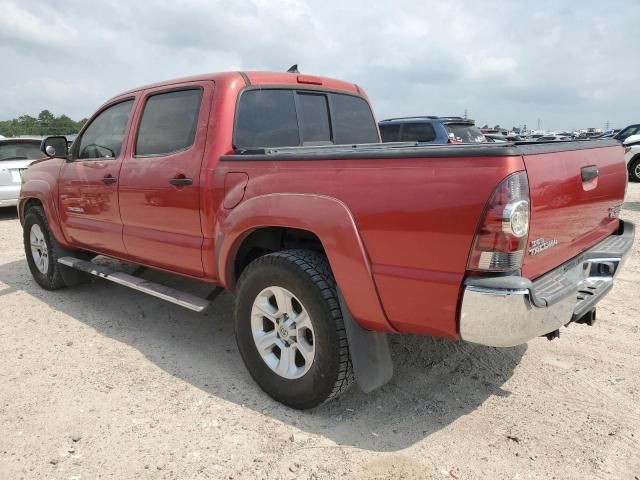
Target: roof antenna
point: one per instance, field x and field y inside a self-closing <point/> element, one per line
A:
<point x="293" y="68"/>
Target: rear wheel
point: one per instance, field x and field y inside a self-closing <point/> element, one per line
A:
<point x="290" y="330"/>
<point x="634" y="170"/>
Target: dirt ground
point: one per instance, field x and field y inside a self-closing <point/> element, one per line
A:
<point x="102" y="382"/>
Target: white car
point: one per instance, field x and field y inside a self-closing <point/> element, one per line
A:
<point x="632" y="156"/>
<point x="16" y="154"/>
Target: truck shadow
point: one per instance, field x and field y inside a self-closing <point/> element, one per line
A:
<point x="435" y="381"/>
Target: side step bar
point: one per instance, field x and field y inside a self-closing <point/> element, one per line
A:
<point x="197" y="304"/>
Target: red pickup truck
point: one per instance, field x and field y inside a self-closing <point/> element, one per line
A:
<point x="275" y="186"/>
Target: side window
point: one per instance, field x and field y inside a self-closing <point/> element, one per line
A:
<point x="390" y="132"/>
<point x="168" y="122"/>
<point x="266" y="118"/>
<point x="418" y="132"/>
<point x="352" y="119"/>
<point x="314" y="112"/>
<point x="103" y="137"/>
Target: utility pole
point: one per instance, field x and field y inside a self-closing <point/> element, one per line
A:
<point x="606" y="126"/>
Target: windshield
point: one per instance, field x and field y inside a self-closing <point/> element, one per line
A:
<point x="20" y="151"/>
<point x="465" y="133"/>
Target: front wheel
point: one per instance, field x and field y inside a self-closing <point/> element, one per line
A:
<point x="289" y="328"/>
<point x="42" y="250"/>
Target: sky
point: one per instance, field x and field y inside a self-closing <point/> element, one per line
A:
<point x="567" y="64"/>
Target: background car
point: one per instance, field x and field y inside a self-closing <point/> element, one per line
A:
<point x="626" y="132"/>
<point x="430" y="129"/>
<point x="16" y="154"/>
<point x="632" y="156"/>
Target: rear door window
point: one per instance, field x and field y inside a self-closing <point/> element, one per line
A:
<point x="314" y="112"/>
<point x="266" y="118"/>
<point x="169" y="122"/>
<point x="418" y="132"/>
<point x="352" y="119"/>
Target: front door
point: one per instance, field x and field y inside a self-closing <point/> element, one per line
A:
<point x="160" y="178"/>
<point x="88" y="183"/>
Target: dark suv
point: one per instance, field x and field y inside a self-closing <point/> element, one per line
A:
<point x="430" y="129"/>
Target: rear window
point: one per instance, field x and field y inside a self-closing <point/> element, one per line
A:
<point x="287" y="118"/>
<point x="314" y="111"/>
<point x="168" y="122"/>
<point x="390" y="132"/>
<point x="418" y="132"/>
<point x="267" y="118"/>
<point x="352" y="120"/>
<point x="20" y="151"/>
<point x="465" y="133"/>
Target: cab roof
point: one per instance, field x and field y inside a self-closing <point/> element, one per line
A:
<point x="260" y="78"/>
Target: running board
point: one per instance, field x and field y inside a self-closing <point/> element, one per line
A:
<point x="197" y="304"/>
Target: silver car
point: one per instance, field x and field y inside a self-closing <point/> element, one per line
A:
<point x="16" y="154"/>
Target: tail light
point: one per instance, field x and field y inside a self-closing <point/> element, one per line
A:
<point x="501" y="238"/>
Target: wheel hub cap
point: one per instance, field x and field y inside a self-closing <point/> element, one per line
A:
<point x="39" y="250"/>
<point x="282" y="332"/>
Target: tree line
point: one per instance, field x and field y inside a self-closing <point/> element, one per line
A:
<point x="45" y="124"/>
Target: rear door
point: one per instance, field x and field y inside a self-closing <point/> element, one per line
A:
<point x="160" y="177"/>
<point x="88" y="183"/>
<point x="577" y="190"/>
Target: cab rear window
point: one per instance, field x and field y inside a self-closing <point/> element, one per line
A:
<point x="288" y="117"/>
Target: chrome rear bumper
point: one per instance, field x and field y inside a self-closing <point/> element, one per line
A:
<point x="511" y="310"/>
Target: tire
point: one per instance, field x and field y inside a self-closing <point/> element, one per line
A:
<point x="634" y="170"/>
<point x="48" y="274"/>
<point x="325" y="371"/>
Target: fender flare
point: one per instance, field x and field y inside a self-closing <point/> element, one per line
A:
<point x="40" y="190"/>
<point x="326" y="217"/>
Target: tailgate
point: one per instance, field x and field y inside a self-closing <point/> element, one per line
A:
<point x="577" y="189"/>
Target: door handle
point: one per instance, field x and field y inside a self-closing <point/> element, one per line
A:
<point x="181" y="181"/>
<point x="109" y="179"/>
<point x="589" y="173"/>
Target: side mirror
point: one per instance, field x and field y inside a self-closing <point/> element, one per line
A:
<point x="631" y="139"/>
<point x="55" y="146"/>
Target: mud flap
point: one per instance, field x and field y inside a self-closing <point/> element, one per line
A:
<point x="370" y="354"/>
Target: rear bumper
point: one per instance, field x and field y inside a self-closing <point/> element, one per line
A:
<point x="511" y="310"/>
<point x="9" y="195"/>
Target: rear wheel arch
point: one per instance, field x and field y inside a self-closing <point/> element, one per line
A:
<point x="316" y="222"/>
<point x="269" y="239"/>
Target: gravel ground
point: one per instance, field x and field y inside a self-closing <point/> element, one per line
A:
<point x="102" y="382"/>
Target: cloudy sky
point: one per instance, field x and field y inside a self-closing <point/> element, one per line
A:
<point x="570" y="64"/>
